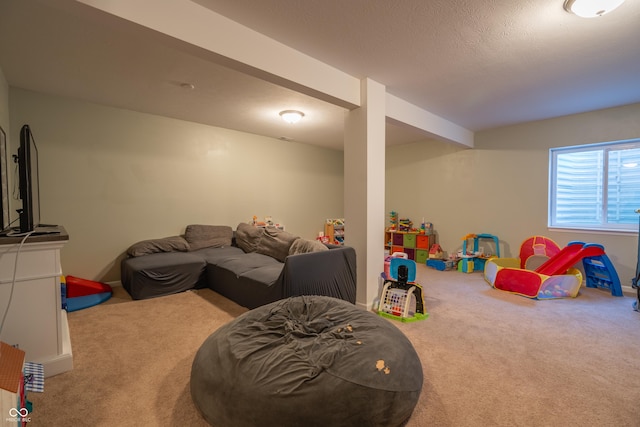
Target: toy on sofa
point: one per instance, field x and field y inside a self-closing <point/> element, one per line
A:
<point x="401" y="298"/>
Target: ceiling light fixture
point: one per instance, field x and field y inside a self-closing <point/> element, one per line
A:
<point x="291" y="116"/>
<point x="591" y="8"/>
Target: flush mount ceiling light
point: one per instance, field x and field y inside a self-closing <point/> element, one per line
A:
<point x="291" y="116"/>
<point x="591" y="8"/>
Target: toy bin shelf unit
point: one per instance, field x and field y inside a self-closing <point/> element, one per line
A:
<point x="334" y="230"/>
<point x="414" y="244"/>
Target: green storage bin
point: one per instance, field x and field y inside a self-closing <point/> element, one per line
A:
<point x="409" y="241"/>
<point x="422" y="256"/>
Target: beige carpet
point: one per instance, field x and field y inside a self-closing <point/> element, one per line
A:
<point x="489" y="359"/>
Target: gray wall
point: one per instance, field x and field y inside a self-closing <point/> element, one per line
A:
<point x="500" y="187"/>
<point x="112" y="177"/>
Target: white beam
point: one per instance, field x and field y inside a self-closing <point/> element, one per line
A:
<point x="364" y="182"/>
<point x="401" y="111"/>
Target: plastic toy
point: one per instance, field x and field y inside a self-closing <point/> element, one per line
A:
<point x="536" y="248"/>
<point x="401" y="298"/>
<point x="405" y="224"/>
<point x="555" y="278"/>
<point x="426" y="228"/>
<point x="387" y="263"/>
<point x="82" y="293"/>
<point x="322" y="237"/>
<point x="475" y="260"/>
<point x="440" y="264"/>
<point x="258" y="223"/>
<point x="436" y="252"/>
<point x="393" y="219"/>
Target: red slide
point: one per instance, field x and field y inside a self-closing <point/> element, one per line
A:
<point x="568" y="257"/>
<point x="77" y="287"/>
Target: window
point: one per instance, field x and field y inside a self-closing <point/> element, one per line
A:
<point x="595" y="187"/>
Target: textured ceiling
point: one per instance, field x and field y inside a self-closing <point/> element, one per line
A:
<point x="478" y="64"/>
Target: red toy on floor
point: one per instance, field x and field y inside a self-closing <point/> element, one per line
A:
<point x="83" y="293"/>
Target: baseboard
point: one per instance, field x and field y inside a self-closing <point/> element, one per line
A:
<point x="367" y="307"/>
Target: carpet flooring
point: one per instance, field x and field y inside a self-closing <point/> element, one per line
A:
<point x="489" y="358"/>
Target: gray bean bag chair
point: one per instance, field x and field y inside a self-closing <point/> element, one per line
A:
<point x="307" y="361"/>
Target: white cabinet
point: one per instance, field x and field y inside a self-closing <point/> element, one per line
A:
<point x="35" y="320"/>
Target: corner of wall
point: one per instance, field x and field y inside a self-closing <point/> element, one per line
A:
<point x="4" y="103"/>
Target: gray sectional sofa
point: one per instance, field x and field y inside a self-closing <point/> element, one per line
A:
<point x="252" y="266"/>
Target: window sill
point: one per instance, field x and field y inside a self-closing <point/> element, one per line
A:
<point x="592" y="230"/>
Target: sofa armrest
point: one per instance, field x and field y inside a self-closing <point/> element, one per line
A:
<point x="329" y="273"/>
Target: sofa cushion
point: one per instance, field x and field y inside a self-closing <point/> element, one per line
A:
<point x="162" y="274"/>
<point x="275" y="243"/>
<point x="248" y="237"/>
<point x="303" y="246"/>
<point x="215" y="256"/>
<point x="208" y="236"/>
<point x="249" y="279"/>
<point x="264" y="276"/>
<point x="242" y="263"/>
<point x="167" y="244"/>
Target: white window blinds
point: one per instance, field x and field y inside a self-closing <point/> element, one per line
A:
<point x="595" y="187"/>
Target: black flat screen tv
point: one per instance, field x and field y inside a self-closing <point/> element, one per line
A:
<point x="29" y="182"/>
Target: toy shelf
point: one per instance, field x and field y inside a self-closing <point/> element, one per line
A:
<point x="415" y="244"/>
<point x="334" y="230"/>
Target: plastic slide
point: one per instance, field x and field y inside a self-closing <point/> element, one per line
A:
<point x="86" y="301"/>
<point x="504" y="274"/>
<point x="557" y="277"/>
<point x="82" y="293"/>
<point x="77" y="287"/>
<point x="568" y="257"/>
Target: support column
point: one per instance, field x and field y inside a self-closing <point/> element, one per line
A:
<point x="364" y="187"/>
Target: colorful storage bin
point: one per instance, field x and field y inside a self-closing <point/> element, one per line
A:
<point x="409" y="241"/>
<point x="422" y="242"/>
<point x="422" y="255"/>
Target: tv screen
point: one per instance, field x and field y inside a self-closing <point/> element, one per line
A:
<point x="29" y="182"/>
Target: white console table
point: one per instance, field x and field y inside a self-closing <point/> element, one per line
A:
<point x="36" y="321"/>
